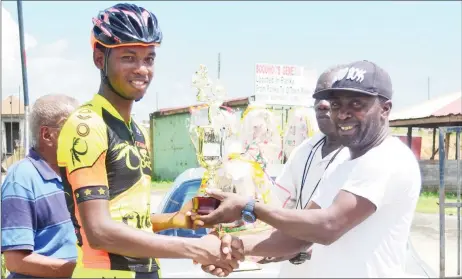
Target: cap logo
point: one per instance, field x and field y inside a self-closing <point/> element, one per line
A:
<point x="354" y="74"/>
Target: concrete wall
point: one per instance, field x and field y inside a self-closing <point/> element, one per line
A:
<point x="430" y="170"/>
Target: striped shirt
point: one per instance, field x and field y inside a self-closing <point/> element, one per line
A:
<point x="34" y="212"/>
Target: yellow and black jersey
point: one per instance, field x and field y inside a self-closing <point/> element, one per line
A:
<point x="102" y="157"/>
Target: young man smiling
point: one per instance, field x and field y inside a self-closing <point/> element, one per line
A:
<point x="105" y="163"/>
<point x="361" y="215"/>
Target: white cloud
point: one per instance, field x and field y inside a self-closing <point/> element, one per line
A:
<point x="49" y="70"/>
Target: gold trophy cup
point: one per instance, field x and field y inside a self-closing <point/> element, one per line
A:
<point x="207" y="136"/>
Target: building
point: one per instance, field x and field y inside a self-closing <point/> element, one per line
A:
<point x="441" y="111"/>
<point x="172" y="149"/>
<point x="12" y="127"/>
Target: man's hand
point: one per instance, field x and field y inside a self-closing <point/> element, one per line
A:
<point x="182" y="219"/>
<point x="233" y="248"/>
<point x="230" y="209"/>
<point x="177" y="220"/>
<point x="221" y="256"/>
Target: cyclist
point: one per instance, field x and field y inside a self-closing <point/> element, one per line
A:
<point x="103" y="155"/>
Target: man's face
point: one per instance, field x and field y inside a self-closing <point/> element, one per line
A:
<point x="325" y="124"/>
<point x="131" y="69"/>
<point x="49" y="135"/>
<point x="358" y="118"/>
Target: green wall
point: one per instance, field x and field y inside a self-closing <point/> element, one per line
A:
<point x="173" y="151"/>
<point x="172" y="148"/>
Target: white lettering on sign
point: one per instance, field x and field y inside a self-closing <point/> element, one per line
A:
<point x="274" y="79"/>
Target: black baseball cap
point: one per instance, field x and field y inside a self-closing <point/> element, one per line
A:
<point x="325" y="79"/>
<point x="362" y="77"/>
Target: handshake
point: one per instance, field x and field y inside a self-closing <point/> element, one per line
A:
<point x="217" y="256"/>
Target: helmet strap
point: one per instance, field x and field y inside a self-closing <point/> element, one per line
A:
<point x="105" y="77"/>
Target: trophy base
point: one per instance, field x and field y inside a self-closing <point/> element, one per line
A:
<point x="205" y="205"/>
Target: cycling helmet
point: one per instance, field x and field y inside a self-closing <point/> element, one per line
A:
<point x="124" y="25"/>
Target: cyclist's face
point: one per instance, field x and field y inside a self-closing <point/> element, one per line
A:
<point x="130" y="70"/>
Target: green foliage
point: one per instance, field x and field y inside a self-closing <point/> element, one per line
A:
<point x="4" y="270"/>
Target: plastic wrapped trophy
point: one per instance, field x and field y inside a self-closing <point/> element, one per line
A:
<point x="208" y="135"/>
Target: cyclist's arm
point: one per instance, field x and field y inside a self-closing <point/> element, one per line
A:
<point x="165" y="221"/>
<point x="81" y="156"/>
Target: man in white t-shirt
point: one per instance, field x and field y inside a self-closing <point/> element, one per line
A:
<point x="361" y="216"/>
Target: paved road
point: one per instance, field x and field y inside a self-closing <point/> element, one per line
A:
<point x="424" y="237"/>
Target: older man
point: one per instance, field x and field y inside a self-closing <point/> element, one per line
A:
<point x="38" y="238"/>
<point x="361" y="215"/>
<point x="305" y="167"/>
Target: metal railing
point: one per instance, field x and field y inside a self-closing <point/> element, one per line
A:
<point x="442" y="200"/>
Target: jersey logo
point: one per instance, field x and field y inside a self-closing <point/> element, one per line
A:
<point x="83" y="130"/>
<point x="76" y="153"/>
<point x="137" y="219"/>
<point x="128" y="151"/>
<point x="84" y="114"/>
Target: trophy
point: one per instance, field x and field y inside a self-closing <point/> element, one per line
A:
<point x="208" y="135"/>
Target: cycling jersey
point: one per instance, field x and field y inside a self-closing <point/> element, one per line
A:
<point x="102" y="157"/>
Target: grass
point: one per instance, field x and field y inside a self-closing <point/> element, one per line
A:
<point x="5" y="272"/>
<point x="162" y="185"/>
<point x="428" y="203"/>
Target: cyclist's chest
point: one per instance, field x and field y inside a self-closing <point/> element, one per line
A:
<point x="128" y="161"/>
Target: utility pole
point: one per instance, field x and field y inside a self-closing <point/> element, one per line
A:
<point x="24" y="75"/>
<point x="428" y="88"/>
<point x="219" y="64"/>
<point x="1" y="134"/>
<point x="157" y="101"/>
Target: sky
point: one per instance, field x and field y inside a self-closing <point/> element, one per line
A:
<point x="412" y="41"/>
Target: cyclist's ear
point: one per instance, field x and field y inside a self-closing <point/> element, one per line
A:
<point x="98" y="58"/>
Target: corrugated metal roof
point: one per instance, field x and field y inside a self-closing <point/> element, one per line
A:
<point x="12" y="105"/>
<point x="446" y="105"/>
<point x="169" y="111"/>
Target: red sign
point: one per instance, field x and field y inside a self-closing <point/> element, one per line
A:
<point x="416" y="144"/>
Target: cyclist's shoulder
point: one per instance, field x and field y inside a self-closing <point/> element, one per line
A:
<point x="85" y="127"/>
<point x="87" y="114"/>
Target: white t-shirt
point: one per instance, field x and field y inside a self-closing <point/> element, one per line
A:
<point x="292" y="173"/>
<point x="291" y="179"/>
<point x="388" y="176"/>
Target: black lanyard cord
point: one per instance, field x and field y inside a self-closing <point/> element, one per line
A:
<point x="316" y="187"/>
<point x="308" y="162"/>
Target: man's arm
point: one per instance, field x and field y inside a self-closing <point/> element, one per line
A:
<point x="285" y="246"/>
<point x="274" y="244"/>
<point x="28" y="263"/>
<point x="322" y="226"/>
<point x="105" y="234"/>
<point x="18" y="226"/>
